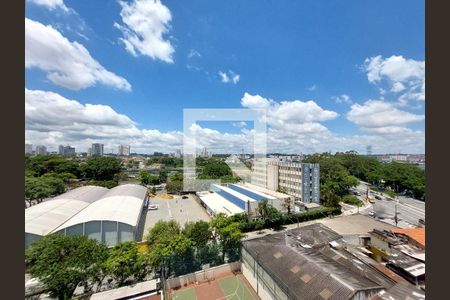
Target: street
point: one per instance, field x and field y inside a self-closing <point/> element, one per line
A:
<point x="409" y="210"/>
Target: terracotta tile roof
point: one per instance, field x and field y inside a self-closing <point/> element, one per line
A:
<point x="417" y="234"/>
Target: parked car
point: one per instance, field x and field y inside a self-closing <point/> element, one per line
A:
<point x="184" y="197"/>
<point x="152" y="207"/>
<point x="371" y="213"/>
<point x="377" y="197"/>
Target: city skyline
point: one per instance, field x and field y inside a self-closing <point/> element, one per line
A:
<point x="332" y="78"/>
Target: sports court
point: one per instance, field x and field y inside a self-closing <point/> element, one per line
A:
<point x="231" y="286"/>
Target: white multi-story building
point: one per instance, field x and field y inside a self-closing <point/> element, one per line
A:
<point x="66" y="150"/>
<point x="300" y="180"/>
<point x="178" y="153"/>
<point x="124" y="150"/>
<point x="41" y="150"/>
<point x="97" y="149"/>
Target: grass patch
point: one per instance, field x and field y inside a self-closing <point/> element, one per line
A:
<point x="353" y="200"/>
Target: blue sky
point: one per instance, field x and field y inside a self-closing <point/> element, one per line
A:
<point x="360" y="64"/>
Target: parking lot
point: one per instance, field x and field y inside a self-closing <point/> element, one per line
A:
<point x="178" y="209"/>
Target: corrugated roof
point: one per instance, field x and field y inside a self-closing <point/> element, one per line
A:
<point x="305" y="272"/>
<point x="120" y="204"/>
<point x="45" y="217"/>
<point x="218" y="204"/>
<point x="417" y="234"/>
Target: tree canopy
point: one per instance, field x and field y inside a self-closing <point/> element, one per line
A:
<point x="63" y="262"/>
<point x="101" y="168"/>
<point x="124" y="261"/>
<point x="199" y="232"/>
<point x="39" y="188"/>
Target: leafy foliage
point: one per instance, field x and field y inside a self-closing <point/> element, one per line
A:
<point x="199" y="233"/>
<point x="269" y="214"/>
<point x="351" y="199"/>
<point x="124" y="262"/>
<point x="229" y="235"/>
<point x="101" y="168"/>
<point x="39" y="188"/>
<point x="146" y="178"/>
<point x="63" y="262"/>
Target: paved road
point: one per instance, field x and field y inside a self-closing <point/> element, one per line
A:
<point x="409" y="210"/>
<point x="181" y="210"/>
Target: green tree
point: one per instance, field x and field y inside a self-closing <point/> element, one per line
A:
<point x="162" y="176"/>
<point x="199" y="233"/>
<point x="144" y="177"/>
<point x="66" y="177"/>
<point x="101" y="168"/>
<point x="39" y="188"/>
<point x="39" y="165"/>
<point x="229" y="235"/>
<point x="176" y="177"/>
<point x="174" y="187"/>
<point x="162" y="229"/>
<point x="169" y="249"/>
<point x="269" y="214"/>
<point x="125" y="263"/>
<point x="64" y="262"/>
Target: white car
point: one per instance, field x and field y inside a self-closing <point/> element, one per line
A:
<point x="152" y="207"/>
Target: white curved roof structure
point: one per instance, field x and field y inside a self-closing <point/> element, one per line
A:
<point x="120" y="204"/>
<point x="45" y="217"/>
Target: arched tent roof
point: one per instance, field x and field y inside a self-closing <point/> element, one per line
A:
<point x="45" y="217"/>
<point x="120" y="204"/>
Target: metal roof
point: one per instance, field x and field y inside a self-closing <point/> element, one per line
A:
<point x="304" y="265"/>
<point x="232" y="192"/>
<point x="120" y="204"/>
<point x="45" y="217"/>
<point x="218" y="204"/>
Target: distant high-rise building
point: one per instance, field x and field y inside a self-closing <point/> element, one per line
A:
<point x="66" y="150"/>
<point x="178" y="153"/>
<point x="41" y="150"/>
<point x="28" y="148"/>
<point x="124" y="150"/>
<point x="97" y="149"/>
<point x="205" y="153"/>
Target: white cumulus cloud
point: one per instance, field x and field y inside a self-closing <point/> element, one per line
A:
<point x="229" y="76"/>
<point x="399" y="74"/>
<point x="51" y="4"/>
<point x="145" y="24"/>
<point x="52" y="119"/>
<point x="343" y="98"/>
<point x="67" y="64"/>
<point x="380" y="116"/>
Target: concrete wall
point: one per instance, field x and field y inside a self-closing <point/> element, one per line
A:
<point x="272" y="177"/>
<point x="203" y="276"/>
<point x="260" y="280"/>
